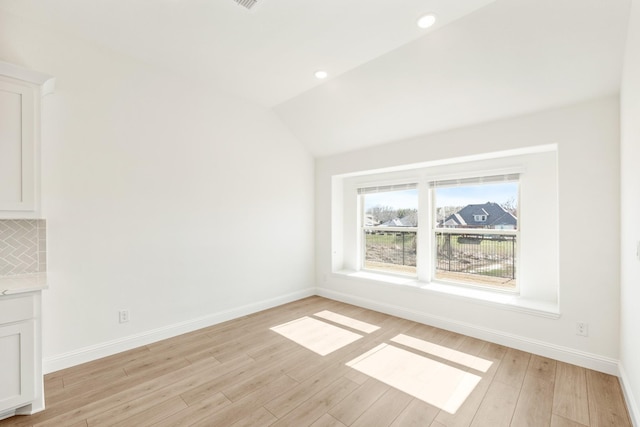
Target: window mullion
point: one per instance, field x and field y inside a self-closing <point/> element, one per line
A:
<point x="423" y="248"/>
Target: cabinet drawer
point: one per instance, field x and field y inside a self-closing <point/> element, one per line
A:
<point x="15" y="309"/>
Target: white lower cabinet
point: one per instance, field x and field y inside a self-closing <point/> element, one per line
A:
<point x="21" y="390"/>
<point x="16" y="359"/>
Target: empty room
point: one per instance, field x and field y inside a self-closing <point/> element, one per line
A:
<point x="337" y="213"/>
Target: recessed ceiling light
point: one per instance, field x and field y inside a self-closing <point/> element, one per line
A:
<point x="427" y="20"/>
<point x="321" y="75"/>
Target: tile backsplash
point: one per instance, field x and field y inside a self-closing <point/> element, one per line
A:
<point x="23" y="246"/>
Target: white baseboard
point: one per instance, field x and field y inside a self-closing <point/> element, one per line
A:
<point x="564" y="354"/>
<point x="634" y="411"/>
<point x="87" y="354"/>
<point x="552" y="351"/>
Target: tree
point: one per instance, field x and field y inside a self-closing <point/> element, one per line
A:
<point x="511" y="206"/>
<point x="382" y="214"/>
<point x="401" y="213"/>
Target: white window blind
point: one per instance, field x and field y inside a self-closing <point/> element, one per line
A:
<point x="385" y="188"/>
<point x="493" y="179"/>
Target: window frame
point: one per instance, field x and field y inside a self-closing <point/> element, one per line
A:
<point x="426" y="250"/>
<point x="361" y="243"/>
<point x="510" y="175"/>
<point x="538" y="214"/>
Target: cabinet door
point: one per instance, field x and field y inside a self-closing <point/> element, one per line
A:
<point x="17" y="160"/>
<point x="17" y="364"/>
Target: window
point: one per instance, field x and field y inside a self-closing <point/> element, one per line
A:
<point x="389" y="228"/>
<point x="518" y="254"/>
<point x="475" y="230"/>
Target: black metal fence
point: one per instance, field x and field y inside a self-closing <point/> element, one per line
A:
<point x="387" y="249"/>
<point x="483" y="254"/>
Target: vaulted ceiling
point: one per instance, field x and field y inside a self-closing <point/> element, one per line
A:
<point x="388" y="79"/>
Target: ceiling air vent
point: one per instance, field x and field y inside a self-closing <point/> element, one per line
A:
<point x="247" y="3"/>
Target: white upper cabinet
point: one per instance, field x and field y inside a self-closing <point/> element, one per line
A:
<point x="20" y="93"/>
<point x="17" y="146"/>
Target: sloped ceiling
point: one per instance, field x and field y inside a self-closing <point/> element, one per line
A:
<point x="267" y="54"/>
<point x="511" y="57"/>
<point x="388" y="79"/>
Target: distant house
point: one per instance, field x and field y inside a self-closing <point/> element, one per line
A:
<point x="370" y="221"/>
<point x="487" y="215"/>
<point x="410" y="220"/>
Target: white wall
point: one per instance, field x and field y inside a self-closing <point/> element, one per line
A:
<point x="179" y="204"/>
<point x="587" y="136"/>
<point x="630" y="214"/>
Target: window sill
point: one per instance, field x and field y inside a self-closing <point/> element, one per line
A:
<point x="497" y="299"/>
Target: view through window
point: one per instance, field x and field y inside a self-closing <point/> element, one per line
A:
<point x="475" y="233"/>
<point x="475" y="225"/>
<point x="389" y="227"/>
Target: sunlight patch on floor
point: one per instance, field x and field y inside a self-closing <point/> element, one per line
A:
<point x="316" y="335"/>
<point x="433" y="382"/>
<point x="358" y="325"/>
<point x="449" y="354"/>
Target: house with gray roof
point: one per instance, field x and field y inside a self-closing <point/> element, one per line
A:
<point x="487" y="215"/>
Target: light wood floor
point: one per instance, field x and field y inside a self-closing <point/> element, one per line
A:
<point x="240" y="373"/>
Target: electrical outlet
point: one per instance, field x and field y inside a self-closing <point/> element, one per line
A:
<point x="123" y="316"/>
<point x="582" y="329"/>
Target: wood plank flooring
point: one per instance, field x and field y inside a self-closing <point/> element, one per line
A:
<point x="241" y="373"/>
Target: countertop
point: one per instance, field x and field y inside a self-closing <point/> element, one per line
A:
<point x="11" y="285"/>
